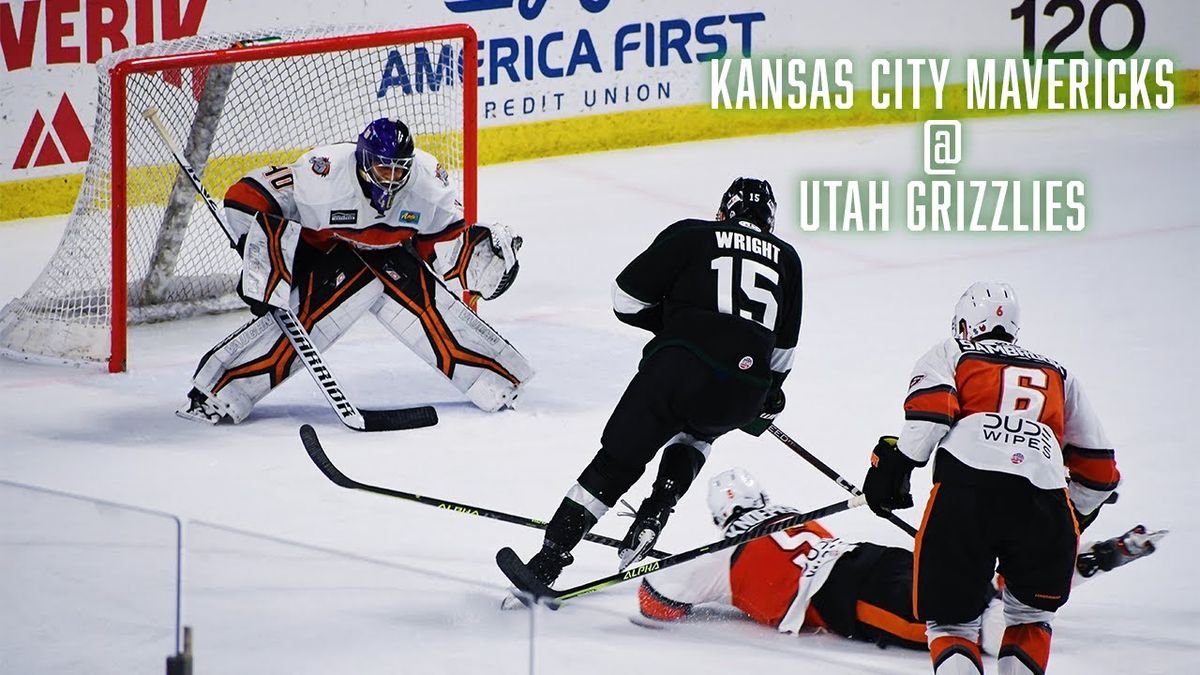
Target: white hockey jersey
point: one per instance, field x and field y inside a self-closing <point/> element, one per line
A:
<point x="772" y="579"/>
<point x="321" y="191"/>
<point x="997" y="406"/>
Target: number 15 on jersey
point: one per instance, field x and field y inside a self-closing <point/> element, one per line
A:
<point x="755" y="302"/>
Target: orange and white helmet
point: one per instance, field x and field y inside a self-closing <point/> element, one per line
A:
<point x="985" y="306"/>
<point x="732" y="492"/>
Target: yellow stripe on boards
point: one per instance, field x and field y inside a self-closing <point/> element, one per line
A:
<point x="36" y="197"/>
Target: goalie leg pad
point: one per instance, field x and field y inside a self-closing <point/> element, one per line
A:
<point x="427" y="317"/>
<point x="257" y="357"/>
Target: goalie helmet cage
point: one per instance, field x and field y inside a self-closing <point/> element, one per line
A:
<point x="140" y="247"/>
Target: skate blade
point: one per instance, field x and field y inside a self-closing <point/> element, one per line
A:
<point x="1148" y="539"/>
<point x="647" y="622"/>
<point x="186" y="414"/>
<point x="637" y="553"/>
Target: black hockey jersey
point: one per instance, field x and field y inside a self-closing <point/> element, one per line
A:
<point x="725" y="290"/>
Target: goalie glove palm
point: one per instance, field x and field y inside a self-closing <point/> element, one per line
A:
<point x="487" y="263"/>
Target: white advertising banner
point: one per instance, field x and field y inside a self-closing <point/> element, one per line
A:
<point x="547" y="59"/>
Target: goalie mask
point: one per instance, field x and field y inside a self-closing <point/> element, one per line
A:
<point x="749" y="199"/>
<point x="984" y="307"/>
<point x="732" y="493"/>
<point x="384" y="158"/>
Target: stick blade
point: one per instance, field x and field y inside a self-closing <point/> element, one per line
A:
<point x="400" y="418"/>
<point x="522" y="578"/>
<point x="312" y="445"/>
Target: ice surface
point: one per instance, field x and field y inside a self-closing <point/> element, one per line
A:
<point x="1115" y="304"/>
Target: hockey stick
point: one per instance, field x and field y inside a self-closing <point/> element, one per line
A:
<point x="837" y="478"/>
<point x="351" y="416"/>
<point x="521" y="577"/>
<point x="312" y="444"/>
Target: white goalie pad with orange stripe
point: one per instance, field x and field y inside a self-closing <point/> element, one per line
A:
<point x="439" y="328"/>
<point x="405" y="296"/>
<point x="257" y="357"/>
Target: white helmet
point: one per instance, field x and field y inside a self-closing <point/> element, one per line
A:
<point x="984" y="306"/>
<point x="732" y="490"/>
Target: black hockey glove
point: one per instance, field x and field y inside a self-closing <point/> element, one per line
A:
<point x="887" y="483"/>
<point x="257" y="307"/>
<point x="772" y="406"/>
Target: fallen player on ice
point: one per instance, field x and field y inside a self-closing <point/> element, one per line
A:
<point x="805" y="579"/>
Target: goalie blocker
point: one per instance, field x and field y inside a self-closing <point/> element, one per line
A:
<point x="336" y="288"/>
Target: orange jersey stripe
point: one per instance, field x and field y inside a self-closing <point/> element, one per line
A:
<point x="888" y="622"/>
<point x="245" y="195"/>
<point x="424" y="243"/>
<point x="1096" y="469"/>
<point x="935" y="404"/>
<point x="376" y="236"/>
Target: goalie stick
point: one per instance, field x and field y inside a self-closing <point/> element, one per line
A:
<point x="521" y="577"/>
<point x="306" y="351"/>
<point x="316" y="452"/>
<point x="835" y="476"/>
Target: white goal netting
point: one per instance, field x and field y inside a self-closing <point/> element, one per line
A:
<point x="230" y="117"/>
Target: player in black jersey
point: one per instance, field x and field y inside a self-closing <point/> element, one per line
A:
<point x="722" y="298"/>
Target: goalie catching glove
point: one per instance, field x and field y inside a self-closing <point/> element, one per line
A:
<point x="268" y="255"/>
<point x="484" y="261"/>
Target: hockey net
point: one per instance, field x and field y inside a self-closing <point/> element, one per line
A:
<point x="140" y="247"/>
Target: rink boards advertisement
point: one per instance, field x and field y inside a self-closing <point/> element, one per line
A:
<point x="555" y="76"/>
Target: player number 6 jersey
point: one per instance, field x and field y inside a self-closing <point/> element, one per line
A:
<point x="1000" y="407"/>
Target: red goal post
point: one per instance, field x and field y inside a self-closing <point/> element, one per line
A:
<point x="253" y="100"/>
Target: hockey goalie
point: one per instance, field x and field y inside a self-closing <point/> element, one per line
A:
<point x="351" y="228"/>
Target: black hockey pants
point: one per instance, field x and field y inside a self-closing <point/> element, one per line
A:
<point x="674" y="391"/>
